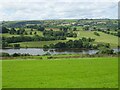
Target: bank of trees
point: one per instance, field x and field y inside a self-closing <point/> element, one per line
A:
<point x="29" y="38"/>
<point x="108" y="31"/>
<point x="4" y="30"/>
<point x="81" y="43"/>
<point x="3" y="54"/>
<point x="59" y="33"/>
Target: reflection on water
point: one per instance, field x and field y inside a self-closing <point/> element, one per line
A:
<point x="40" y="51"/>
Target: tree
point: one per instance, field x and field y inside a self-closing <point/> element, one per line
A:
<point x="4" y="30"/>
<point x="96" y="33"/>
<point x="106" y="51"/>
<point x="30" y="33"/>
<point x="16" y="46"/>
<point x="26" y="33"/>
<point x="45" y="47"/>
<point x="41" y="28"/>
<point x="12" y="31"/>
<point x="4" y="54"/>
<point x="35" y="33"/>
<point x="60" y="45"/>
<point x="4" y="44"/>
<point x="86" y="28"/>
<point x="74" y="29"/>
<point x="118" y="33"/>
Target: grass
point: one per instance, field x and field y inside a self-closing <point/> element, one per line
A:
<point x="65" y="73"/>
<point x="0" y="74"/>
<point x="103" y="38"/>
<point x="38" y="44"/>
<point x="28" y="30"/>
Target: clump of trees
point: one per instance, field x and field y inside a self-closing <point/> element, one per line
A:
<point x="71" y="34"/>
<point x="81" y="43"/>
<point x="22" y="38"/>
<point x="16" y="46"/>
<point x="107" y="31"/>
<point x="86" y="28"/>
<point x="41" y="28"/>
<point x="3" y="54"/>
<point x="59" y="34"/>
<point x="4" y="30"/>
<point x="21" y="31"/>
<point x="96" y="33"/>
<point x="104" y="49"/>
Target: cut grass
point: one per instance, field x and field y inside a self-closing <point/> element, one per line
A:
<point x="65" y="73"/>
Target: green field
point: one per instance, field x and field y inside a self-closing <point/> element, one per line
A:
<point x="106" y="26"/>
<point x="0" y="74"/>
<point x="26" y="29"/>
<point x="66" y="73"/>
<point x="104" y="38"/>
<point x="38" y="44"/>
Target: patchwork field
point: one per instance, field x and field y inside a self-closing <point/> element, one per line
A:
<point x="103" y="38"/>
<point x="61" y="73"/>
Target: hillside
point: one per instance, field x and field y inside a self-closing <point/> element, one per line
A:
<point x="38" y="31"/>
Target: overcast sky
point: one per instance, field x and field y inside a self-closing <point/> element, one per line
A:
<point x="57" y="9"/>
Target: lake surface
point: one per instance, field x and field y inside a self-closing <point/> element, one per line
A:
<point x="40" y="51"/>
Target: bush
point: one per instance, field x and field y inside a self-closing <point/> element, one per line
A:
<point x="16" y="54"/>
<point x="3" y="54"/>
<point x="47" y="53"/>
<point x="16" y="46"/>
<point x="45" y="47"/>
<point x="96" y="33"/>
<point x="106" y="51"/>
<point x="19" y="54"/>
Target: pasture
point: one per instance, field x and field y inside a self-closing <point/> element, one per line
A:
<point x="103" y="38"/>
<point x="38" y="44"/>
<point x="0" y="74"/>
<point x="61" y="73"/>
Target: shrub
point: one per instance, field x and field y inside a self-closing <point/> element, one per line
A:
<point x="47" y="53"/>
<point x="16" y="54"/>
<point x="3" y="54"/>
<point x="16" y="46"/>
<point x="96" y="33"/>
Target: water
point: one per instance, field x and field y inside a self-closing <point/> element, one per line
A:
<point x="40" y="51"/>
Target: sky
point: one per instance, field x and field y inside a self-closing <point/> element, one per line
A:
<point x="57" y="9"/>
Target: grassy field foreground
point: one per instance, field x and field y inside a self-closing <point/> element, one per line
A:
<point x="0" y="74"/>
<point x="65" y="73"/>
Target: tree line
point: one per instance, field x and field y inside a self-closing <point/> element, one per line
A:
<point x="81" y="43"/>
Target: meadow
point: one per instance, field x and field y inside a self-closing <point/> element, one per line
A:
<point x="98" y="72"/>
<point x="107" y="30"/>
<point x="103" y="38"/>
<point x="38" y="44"/>
<point x="0" y="74"/>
